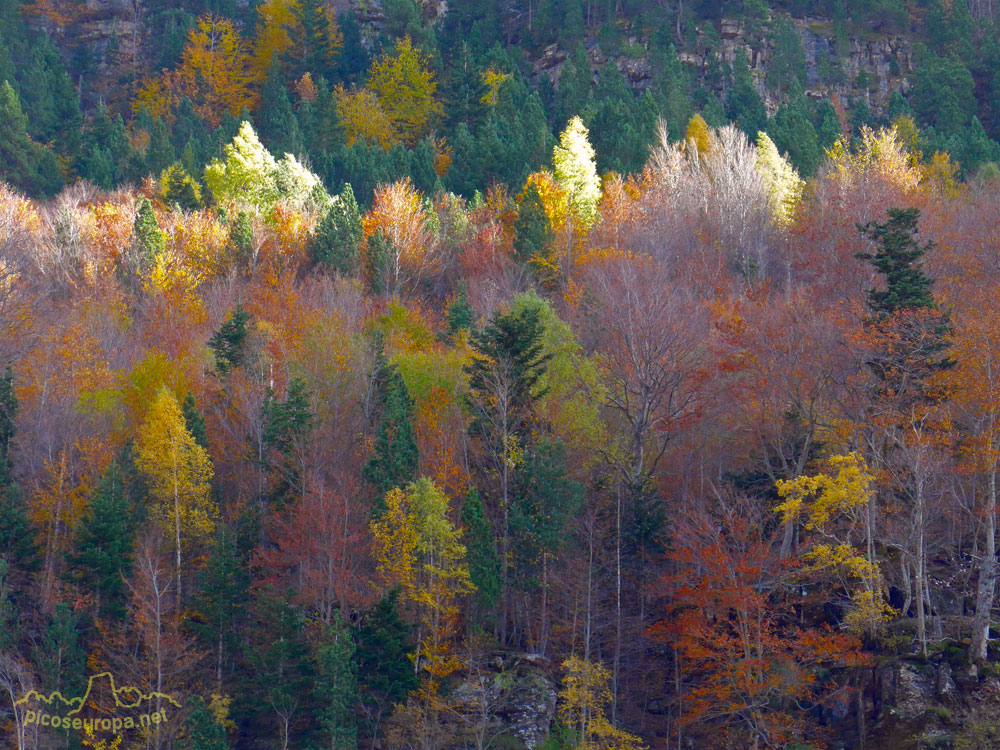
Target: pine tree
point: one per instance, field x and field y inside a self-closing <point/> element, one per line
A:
<point x="194" y="421"/>
<point x="219" y="607"/>
<point x="385" y="672"/>
<point x="316" y="40"/>
<point x="574" y="94"/>
<point x="337" y="685"/>
<point x="17" y="537"/>
<point x="150" y="240"/>
<point x="160" y="153"/>
<point x="507" y="355"/>
<point x="744" y="105"/>
<point x="101" y="558"/>
<point x="673" y="95"/>
<point x="353" y="59"/>
<point x="180" y="188"/>
<point x="789" y="59"/>
<point x="507" y="363"/>
<point x="910" y="329"/>
<point x="23" y="163"/>
<point x="227" y="343"/>
<point x="276" y="122"/>
<point x="396" y="457"/>
<point x="203" y="731"/>
<point x="241" y="240"/>
<point x="484" y="567"/>
<point x="287" y="426"/>
<point x="10" y="625"/>
<point x="897" y="258"/>
<point x="546" y="499"/>
<point x="60" y="657"/>
<point x="793" y="132"/>
<point x="532" y="228"/>
<point x="338" y="237"/>
<point x="280" y="671"/>
<point x="460" y="313"/>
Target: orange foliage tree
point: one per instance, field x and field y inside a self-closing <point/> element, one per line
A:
<point x="743" y="657"/>
<point x="215" y="73"/>
<point x="400" y="248"/>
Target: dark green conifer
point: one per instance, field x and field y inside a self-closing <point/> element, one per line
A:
<point x="532" y="228"/>
<point x="338" y="235"/>
<point x="337" y="685"/>
<point x="484" y="567"/>
<point x="241" y="239"/>
<point x="227" y="343"/>
<point x="395" y="460"/>
<point x="203" y="731"/>
<point x="150" y="240"/>
<point x="385" y="672"/>
<point x="101" y="558"/>
<point x="460" y="313"/>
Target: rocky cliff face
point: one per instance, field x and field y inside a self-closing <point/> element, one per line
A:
<point x="884" y="60"/>
<point x="512" y="697"/>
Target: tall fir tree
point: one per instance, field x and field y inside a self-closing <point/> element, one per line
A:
<point x="897" y="258"/>
<point x="24" y="163"/>
<point x="744" y="105"/>
<point x="219" y="607"/>
<point x="910" y="331"/>
<point x="100" y="560"/>
<point x="339" y="234"/>
<point x="385" y="673"/>
<point x="241" y="240"/>
<point x="396" y="458"/>
<point x="227" y="343"/>
<point x="194" y="421"/>
<point x="60" y="657"/>
<point x="278" y="694"/>
<point x="484" y="567"/>
<point x="460" y="313"/>
<point x="337" y="685"/>
<point x="204" y="732"/>
<point x="149" y="239"/>
<point x="287" y="425"/>
<point x="275" y="119"/>
<point x="17" y="537"/>
<point x="160" y="152"/>
<point x="532" y="228"/>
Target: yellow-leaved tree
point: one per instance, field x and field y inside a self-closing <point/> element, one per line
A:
<point x="405" y="86"/>
<point x="576" y="171"/>
<point x="698" y="136"/>
<point x="362" y="116"/>
<point x="418" y="549"/>
<point x="585" y="693"/>
<point x="216" y="73"/>
<point x="837" y="508"/>
<point x="178" y="472"/>
<point x="274" y="20"/>
<point x="784" y="186"/>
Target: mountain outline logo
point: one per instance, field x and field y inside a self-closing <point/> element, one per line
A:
<point x="132" y="708"/>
